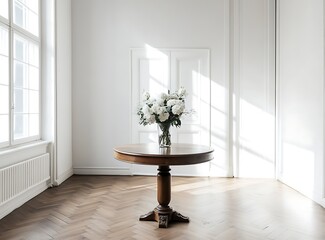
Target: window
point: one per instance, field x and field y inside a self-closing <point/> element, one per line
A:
<point x="19" y="71"/>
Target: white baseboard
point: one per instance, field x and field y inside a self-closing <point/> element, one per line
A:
<point x="128" y="172"/>
<point x="64" y="176"/>
<point x="102" y="171"/>
<point x="173" y="174"/>
<point x="312" y="194"/>
<point x="316" y="198"/>
<point x="322" y="202"/>
<point x="17" y="201"/>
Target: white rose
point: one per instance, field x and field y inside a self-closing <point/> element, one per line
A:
<point x="161" y="102"/>
<point x="145" y="96"/>
<point x="163" y="96"/>
<point x="163" y="116"/>
<point x="151" y="119"/>
<point x="157" y="109"/>
<point x="161" y="110"/>
<point x="172" y="96"/>
<point x="173" y="102"/>
<point x="145" y="109"/>
<point x="181" y="91"/>
<point x="170" y="102"/>
<point x="178" y="109"/>
<point x="147" y="115"/>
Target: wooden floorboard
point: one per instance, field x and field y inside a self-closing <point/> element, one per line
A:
<point x="108" y="207"/>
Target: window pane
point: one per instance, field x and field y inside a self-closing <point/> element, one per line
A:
<point x="4" y="70"/>
<point x="32" y="23"/>
<point x="4" y="41"/>
<point x="21" y="100"/>
<point x="20" y="126"/>
<point x="4" y="10"/>
<point x="33" y="78"/>
<point x="4" y="128"/>
<point x="33" y="124"/>
<point x="4" y="55"/>
<point x="26" y="15"/>
<point x="4" y="99"/>
<point x="33" y="55"/>
<point x="4" y="75"/>
<point x="33" y="101"/>
<point x="20" y="75"/>
<point x="20" y="48"/>
<point x="19" y="14"/>
<point x="26" y="86"/>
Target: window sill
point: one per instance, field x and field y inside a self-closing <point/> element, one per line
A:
<point x="16" y="154"/>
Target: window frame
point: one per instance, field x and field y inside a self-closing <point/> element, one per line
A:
<point x="21" y="32"/>
<point x="6" y="26"/>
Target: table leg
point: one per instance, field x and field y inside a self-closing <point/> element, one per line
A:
<point x="163" y="214"/>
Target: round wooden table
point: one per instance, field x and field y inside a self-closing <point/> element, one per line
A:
<point x="152" y="154"/>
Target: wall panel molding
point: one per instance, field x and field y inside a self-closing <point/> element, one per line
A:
<point x="253" y="88"/>
<point x="159" y="70"/>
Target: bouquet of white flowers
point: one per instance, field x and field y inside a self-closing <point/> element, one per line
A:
<point x="167" y="108"/>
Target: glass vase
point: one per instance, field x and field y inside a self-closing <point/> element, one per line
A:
<point x="164" y="137"/>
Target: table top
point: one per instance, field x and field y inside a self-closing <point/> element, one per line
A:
<point x="152" y="154"/>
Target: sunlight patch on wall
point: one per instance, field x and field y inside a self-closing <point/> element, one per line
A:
<point x="256" y="141"/>
<point x="156" y="68"/>
<point x="298" y="168"/>
<point x="219" y="131"/>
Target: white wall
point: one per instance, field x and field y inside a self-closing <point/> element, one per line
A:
<point x="103" y="33"/>
<point x="300" y="102"/>
<point x="63" y="138"/>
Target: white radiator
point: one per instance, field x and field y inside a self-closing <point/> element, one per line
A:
<point x="23" y="180"/>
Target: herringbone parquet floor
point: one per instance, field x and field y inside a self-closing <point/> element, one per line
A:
<point x="108" y="207"/>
